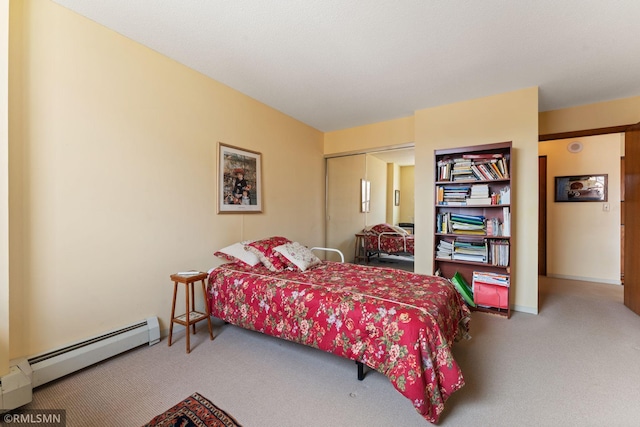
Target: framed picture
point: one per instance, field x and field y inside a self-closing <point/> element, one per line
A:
<point x="239" y="180"/>
<point x="582" y="188"/>
<point x="396" y="198"/>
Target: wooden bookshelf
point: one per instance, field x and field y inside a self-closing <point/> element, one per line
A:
<point x="473" y="216"/>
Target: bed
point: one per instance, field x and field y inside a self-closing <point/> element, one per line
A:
<point x="400" y="324"/>
<point x="387" y="239"/>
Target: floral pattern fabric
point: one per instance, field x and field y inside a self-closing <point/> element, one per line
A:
<point x="399" y="323"/>
<point x="390" y="243"/>
<point x="265" y="251"/>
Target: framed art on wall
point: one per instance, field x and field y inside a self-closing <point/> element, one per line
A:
<point x="581" y="188"/>
<point x="239" y="188"/>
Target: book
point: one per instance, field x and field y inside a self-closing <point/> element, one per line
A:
<point x="483" y="156"/>
<point x="479" y="201"/>
<point x="463" y="288"/>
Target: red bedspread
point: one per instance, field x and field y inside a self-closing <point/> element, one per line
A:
<point x="398" y="323"/>
<point x="389" y="243"/>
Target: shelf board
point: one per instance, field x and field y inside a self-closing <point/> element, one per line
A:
<point x="503" y="312"/>
<point x="504" y="205"/>
<point x="479" y="264"/>
<point x="472" y="181"/>
<point x="479" y="236"/>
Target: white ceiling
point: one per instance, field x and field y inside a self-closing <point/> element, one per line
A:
<point x="335" y="64"/>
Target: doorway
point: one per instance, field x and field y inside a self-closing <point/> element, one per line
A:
<point x="582" y="238"/>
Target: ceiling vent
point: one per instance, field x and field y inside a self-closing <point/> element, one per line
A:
<point x="574" y="147"/>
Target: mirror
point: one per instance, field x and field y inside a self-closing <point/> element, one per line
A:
<point x="390" y="177"/>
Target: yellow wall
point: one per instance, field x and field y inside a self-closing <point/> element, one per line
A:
<point x="114" y="164"/>
<point x="619" y="112"/>
<point x="583" y="239"/>
<point x="506" y="117"/>
<point x="4" y="187"/>
<point x="384" y="134"/>
<point x="112" y="174"/>
<point x="407" y="193"/>
<point x="377" y="175"/>
<point x="393" y="184"/>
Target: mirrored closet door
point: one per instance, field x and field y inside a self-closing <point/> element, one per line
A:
<point x="389" y="179"/>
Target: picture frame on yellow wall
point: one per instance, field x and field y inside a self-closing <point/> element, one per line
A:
<point x="239" y="174"/>
<point x="582" y="188"/>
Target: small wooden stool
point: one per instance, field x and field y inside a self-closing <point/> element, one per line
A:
<point x="191" y="317"/>
<point x="361" y="249"/>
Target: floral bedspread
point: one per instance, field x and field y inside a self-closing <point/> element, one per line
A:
<point x="398" y="323"/>
<point x="389" y="243"/>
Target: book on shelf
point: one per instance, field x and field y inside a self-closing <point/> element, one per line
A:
<point x="479" y="190"/>
<point x="471" y="219"/>
<point x="444" y="250"/>
<point x="483" y="156"/>
<point x="463" y="288"/>
<point x="490" y="278"/>
<point x="482" y="201"/>
<point x="494" y="227"/>
<point x="506" y="221"/>
<point x="469" y="251"/>
<point x="505" y="196"/>
<point x="499" y="253"/>
<point x="473" y="167"/>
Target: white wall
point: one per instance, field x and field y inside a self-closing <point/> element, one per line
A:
<point x="583" y="239"/>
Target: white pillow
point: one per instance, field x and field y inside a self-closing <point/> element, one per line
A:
<point x="237" y="252"/>
<point x="298" y="255"/>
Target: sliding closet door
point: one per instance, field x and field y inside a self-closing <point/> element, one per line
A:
<point x="344" y="216"/>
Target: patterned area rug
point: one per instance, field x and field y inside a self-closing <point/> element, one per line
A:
<point x="194" y="411"/>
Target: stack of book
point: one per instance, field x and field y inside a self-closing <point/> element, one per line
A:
<point x="479" y="195"/>
<point x="444" y="250"/>
<point x="470" y="251"/>
<point x="453" y="195"/>
<point x="462" y="170"/>
<point x="467" y="224"/>
<point x="490" y="278"/>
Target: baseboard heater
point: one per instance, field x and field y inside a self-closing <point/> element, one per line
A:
<point x="29" y="373"/>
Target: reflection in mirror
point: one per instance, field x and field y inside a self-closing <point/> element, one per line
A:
<point x="387" y="172"/>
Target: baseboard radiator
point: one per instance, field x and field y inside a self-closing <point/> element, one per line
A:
<point x="28" y="373"/>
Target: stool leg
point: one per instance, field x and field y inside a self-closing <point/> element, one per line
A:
<point x="186" y="293"/>
<point x="193" y="305"/>
<point x="173" y="310"/>
<point x="206" y="309"/>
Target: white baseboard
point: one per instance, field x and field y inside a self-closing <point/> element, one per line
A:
<point x="585" y="279"/>
<point x="524" y="309"/>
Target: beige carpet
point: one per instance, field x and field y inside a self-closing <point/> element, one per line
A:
<point x="577" y="363"/>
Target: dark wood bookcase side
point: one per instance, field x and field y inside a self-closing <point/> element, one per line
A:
<point x="451" y="202"/>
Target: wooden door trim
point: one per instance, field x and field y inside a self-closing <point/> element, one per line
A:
<point x="632" y="223"/>
<point x="583" y="133"/>
<point x="542" y="215"/>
